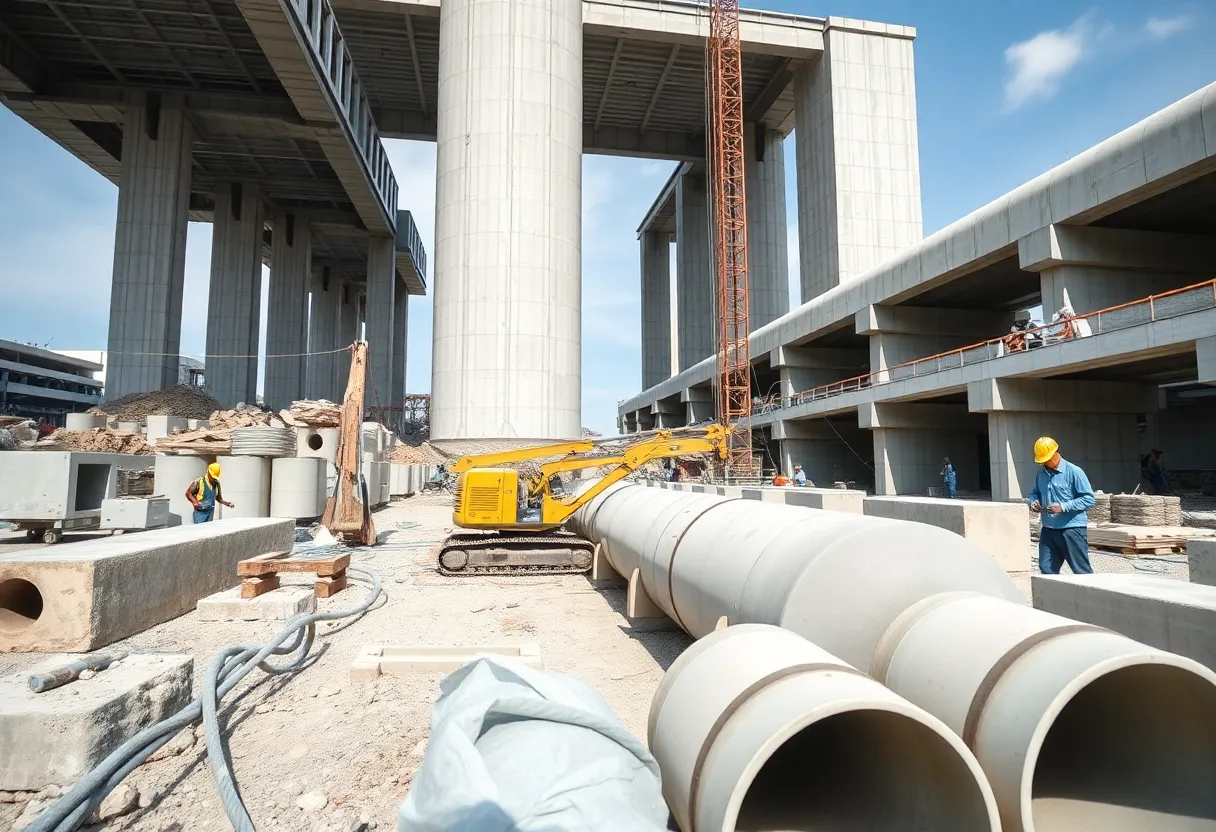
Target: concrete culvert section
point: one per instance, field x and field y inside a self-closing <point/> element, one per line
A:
<point x="1075" y="726"/>
<point x="756" y="729"/>
<point x="20" y="604"/>
<point x="1134" y="749"/>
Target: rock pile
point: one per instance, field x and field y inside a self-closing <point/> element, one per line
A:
<point x="181" y="401"/>
<point x="97" y="440"/>
<point x="309" y="413"/>
<point x="424" y="454"/>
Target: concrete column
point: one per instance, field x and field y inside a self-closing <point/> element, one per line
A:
<point x="1104" y="267"/>
<point x="1095" y="423"/>
<point x="287" y="315"/>
<point x="669" y="413"/>
<point x="828" y="452"/>
<point x="401" y="319"/>
<point x="768" y="257"/>
<point x="381" y="280"/>
<point x="348" y="333"/>
<point x="234" y="300"/>
<point x="698" y="404"/>
<point x="802" y="368"/>
<point x="149" y="246"/>
<point x="656" y="307"/>
<point x="911" y="439"/>
<point x="858" y="161"/>
<point x="508" y="221"/>
<point x="1205" y="355"/>
<point x="323" y="335"/>
<point x="899" y="334"/>
<point x="695" y="323"/>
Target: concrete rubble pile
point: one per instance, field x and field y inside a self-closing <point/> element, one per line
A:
<point x="424" y="454"/>
<point x="98" y="440"/>
<point x="216" y="438"/>
<point x="16" y="435"/>
<point x="309" y="413"/>
<point x="181" y="401"/>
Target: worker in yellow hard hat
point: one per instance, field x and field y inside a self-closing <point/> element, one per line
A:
<point x="1062" y="495"/>
<point x="204" y="493"/>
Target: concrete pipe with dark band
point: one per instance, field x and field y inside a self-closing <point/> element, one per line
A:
<point x="755" y="728"/>
<point x="1075" y="726"/>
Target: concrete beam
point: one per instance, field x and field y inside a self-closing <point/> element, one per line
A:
<point x="802" y="429"/>
<point x="1047" y="396"/>
<point x="1201" y="559"/>
<point x="815" y="358"/>
<point x="924" y="320"/>
<point x="665" y="201"/>
<point x="1116" y="248"/>
<point x="82" y="596"/>
<point x="1205" y="354"/>
<point x="697" y="394"/>
<point x="918" y="416"/>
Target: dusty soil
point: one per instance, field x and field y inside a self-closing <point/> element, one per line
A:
<point x="316" y="733"/>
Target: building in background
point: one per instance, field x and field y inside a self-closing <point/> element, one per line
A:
<point x="189" y="370"/>
<point x="45" y="386"/>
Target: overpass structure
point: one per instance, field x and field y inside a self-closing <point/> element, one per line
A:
<point x="880" y="377"/>
<point x="256" y="113"/>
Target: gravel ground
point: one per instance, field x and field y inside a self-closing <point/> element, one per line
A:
<point x="314" y="734"/>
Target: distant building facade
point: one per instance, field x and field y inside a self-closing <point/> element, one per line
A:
<point x="45" y="386"/>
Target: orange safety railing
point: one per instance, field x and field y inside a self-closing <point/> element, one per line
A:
<point x="1171" y="304"/>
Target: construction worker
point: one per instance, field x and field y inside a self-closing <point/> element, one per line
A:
<point x="799" y="476"/>
<point x="949" y="478"/>
<point x="1062" y="495"/>
<point x="204" y="493"/>
<point x="1156" y="474"/>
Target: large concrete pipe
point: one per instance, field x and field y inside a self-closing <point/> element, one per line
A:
<point x="755" y="728"/>
<point x="297" y="487"/>
<point x="245" y="482"/>
<point x="1076" y="727"/>
<point x="172" y="475"/>
<point x="837" y="579"/>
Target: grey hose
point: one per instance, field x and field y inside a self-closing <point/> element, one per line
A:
<point x="232" y="664"/>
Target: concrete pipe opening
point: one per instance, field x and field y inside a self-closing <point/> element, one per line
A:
<point x="20" y="604"/>
<point x="315" y="441"/>
<point x="1135" y="748"/>
<point x="868" y="770"/>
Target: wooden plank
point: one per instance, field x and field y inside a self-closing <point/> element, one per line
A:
<point x="327" y="585"/>
<point x="253" y="587"/>
<point x="327" y="565"/>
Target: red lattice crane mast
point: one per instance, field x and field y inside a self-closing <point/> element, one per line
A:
<point x="729" y="205"/>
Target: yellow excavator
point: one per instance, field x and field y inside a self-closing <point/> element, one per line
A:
<point x="515" y="518"/>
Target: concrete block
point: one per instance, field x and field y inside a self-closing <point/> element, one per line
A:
<point x="1201" y="554"/>
<point x="161" y="426"/>
<point x="142" y="513"/>
<point x="829" y="499"/>
<point x="56" y="485"/>
<point x="276" y="605"/>
<point x="375" y="659"/>
<point x="58" y="736"/>
<point x="81" y="596"/>
<point x="1172" y="615"/>
<point x="1000" y="529"/>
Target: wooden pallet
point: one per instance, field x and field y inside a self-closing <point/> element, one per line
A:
<point x="261" y="574"/>
<point x="1141" y="541"/>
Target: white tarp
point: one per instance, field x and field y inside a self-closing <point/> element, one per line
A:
<point x="513" y="748"/>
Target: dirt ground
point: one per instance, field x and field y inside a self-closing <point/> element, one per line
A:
<point x="359" y="745"/>
<point x="314" y="735"/>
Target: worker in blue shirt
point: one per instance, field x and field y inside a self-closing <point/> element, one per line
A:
<point x="1062" y="495"/>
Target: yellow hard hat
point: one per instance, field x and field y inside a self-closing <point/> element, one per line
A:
<point x="1044" y="449"/>
<point x="213" y="470"/>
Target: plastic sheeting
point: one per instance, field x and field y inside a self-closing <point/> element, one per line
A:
<point x="513" y="748"/>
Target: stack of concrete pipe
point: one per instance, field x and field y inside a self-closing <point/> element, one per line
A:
<point x="1073" y="726"/>
<point x="377" y="470"/>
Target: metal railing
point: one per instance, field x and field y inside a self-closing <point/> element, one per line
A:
<point x="408" y="239"/>
<point x="1171" y="304"/>
<point x="314" y="19"/>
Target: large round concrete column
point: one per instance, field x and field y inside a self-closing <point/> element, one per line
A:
<point x="506" y="359"/>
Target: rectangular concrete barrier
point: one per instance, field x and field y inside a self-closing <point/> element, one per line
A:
<point x="1201" y="555"/>
<point x="1000" y="529"/>
<point x="1173" y="615"/>
<point x="829" y="499"/>
<point x="58" y="736"/>
<point x="81" y="596"/>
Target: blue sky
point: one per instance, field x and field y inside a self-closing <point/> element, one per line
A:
<point x="1004" y="92"/>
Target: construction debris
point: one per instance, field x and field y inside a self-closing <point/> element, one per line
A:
<point x="242" y="416"/>
<point x="216" y="438"/>
<point x="309" y="413"/>
<point x="97" y="440"/>
<point x="182" y="401"/>
<point x="16" y="435"/>
<point x="424" y="454"/>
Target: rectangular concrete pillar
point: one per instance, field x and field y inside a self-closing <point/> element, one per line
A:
<point x="857" y="154"/>
<point x="323" y="334"/>
<point x="656" y="307"/>
<point x="381" y="277"/>
<point x="401" y="320"/>
<point x="695" y="328"/>
<point x="1205" y="354"/>
<point x="149" y="246"/>
<point x="1094" y="422"/>
<point x="768" y="261"/>
<point x="287" y="315"/>
<point x="911" y="440"/>
<point x="234" y="300"/>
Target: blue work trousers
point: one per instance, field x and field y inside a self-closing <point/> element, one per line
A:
<point x="204" y="515"/>
<point x="1059" y="545"/>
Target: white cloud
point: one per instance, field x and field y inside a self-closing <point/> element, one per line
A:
<point x="1038" y="65"/>
<point x="1162" y="28"/>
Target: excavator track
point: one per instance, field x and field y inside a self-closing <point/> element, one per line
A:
<point x="507" y="553"/>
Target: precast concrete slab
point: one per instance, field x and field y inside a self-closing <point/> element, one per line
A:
<point x="1172" y="615"/>
<point x="829" y="499"/>
<point x="1000" y="529"/>
<point x="1201" y="555"/>
<point x="81" y="596"/>
<point x="58" y="736"/>
<point x="376" y="659"/>
<point x="276" y="605"/>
